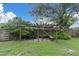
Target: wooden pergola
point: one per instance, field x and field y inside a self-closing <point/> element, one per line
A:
<point x="43" y="28"/>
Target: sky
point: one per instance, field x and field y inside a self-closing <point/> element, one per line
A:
<point x="16" y="10"/>
<point x="10" y="10"/>
<point x="76" y="23"/>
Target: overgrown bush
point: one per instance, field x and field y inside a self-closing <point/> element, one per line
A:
<point x="61" y="35"/>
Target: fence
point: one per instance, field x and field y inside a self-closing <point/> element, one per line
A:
<point x="4" y="35"/>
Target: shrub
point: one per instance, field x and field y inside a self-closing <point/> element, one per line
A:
<point x="61" y="35"/>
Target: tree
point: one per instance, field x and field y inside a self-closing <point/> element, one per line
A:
<point x="16" y="27"/>
<point x="55" y="12"/>
<point x="61" y="13"/>
<point x="41" y="11"/>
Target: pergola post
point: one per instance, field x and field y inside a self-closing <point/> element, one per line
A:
<point x="34" y="34"/>
<point x="56" y="34"/>
<point x="38" y="34"/>
<point x="20" y="34"/>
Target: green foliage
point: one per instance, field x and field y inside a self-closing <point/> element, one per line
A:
<point x="67" y="21"/>
<point x="15" y="25"/>
<point x="19" y="24"/>
<point x="61" y="12"/>
<point x="29" y="33"/>
<point x="61" y="35"/>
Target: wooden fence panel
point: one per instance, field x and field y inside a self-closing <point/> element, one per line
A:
<point x="4" y="35"/>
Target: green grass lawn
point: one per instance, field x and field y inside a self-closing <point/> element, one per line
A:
<point x="29" y="48"/>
